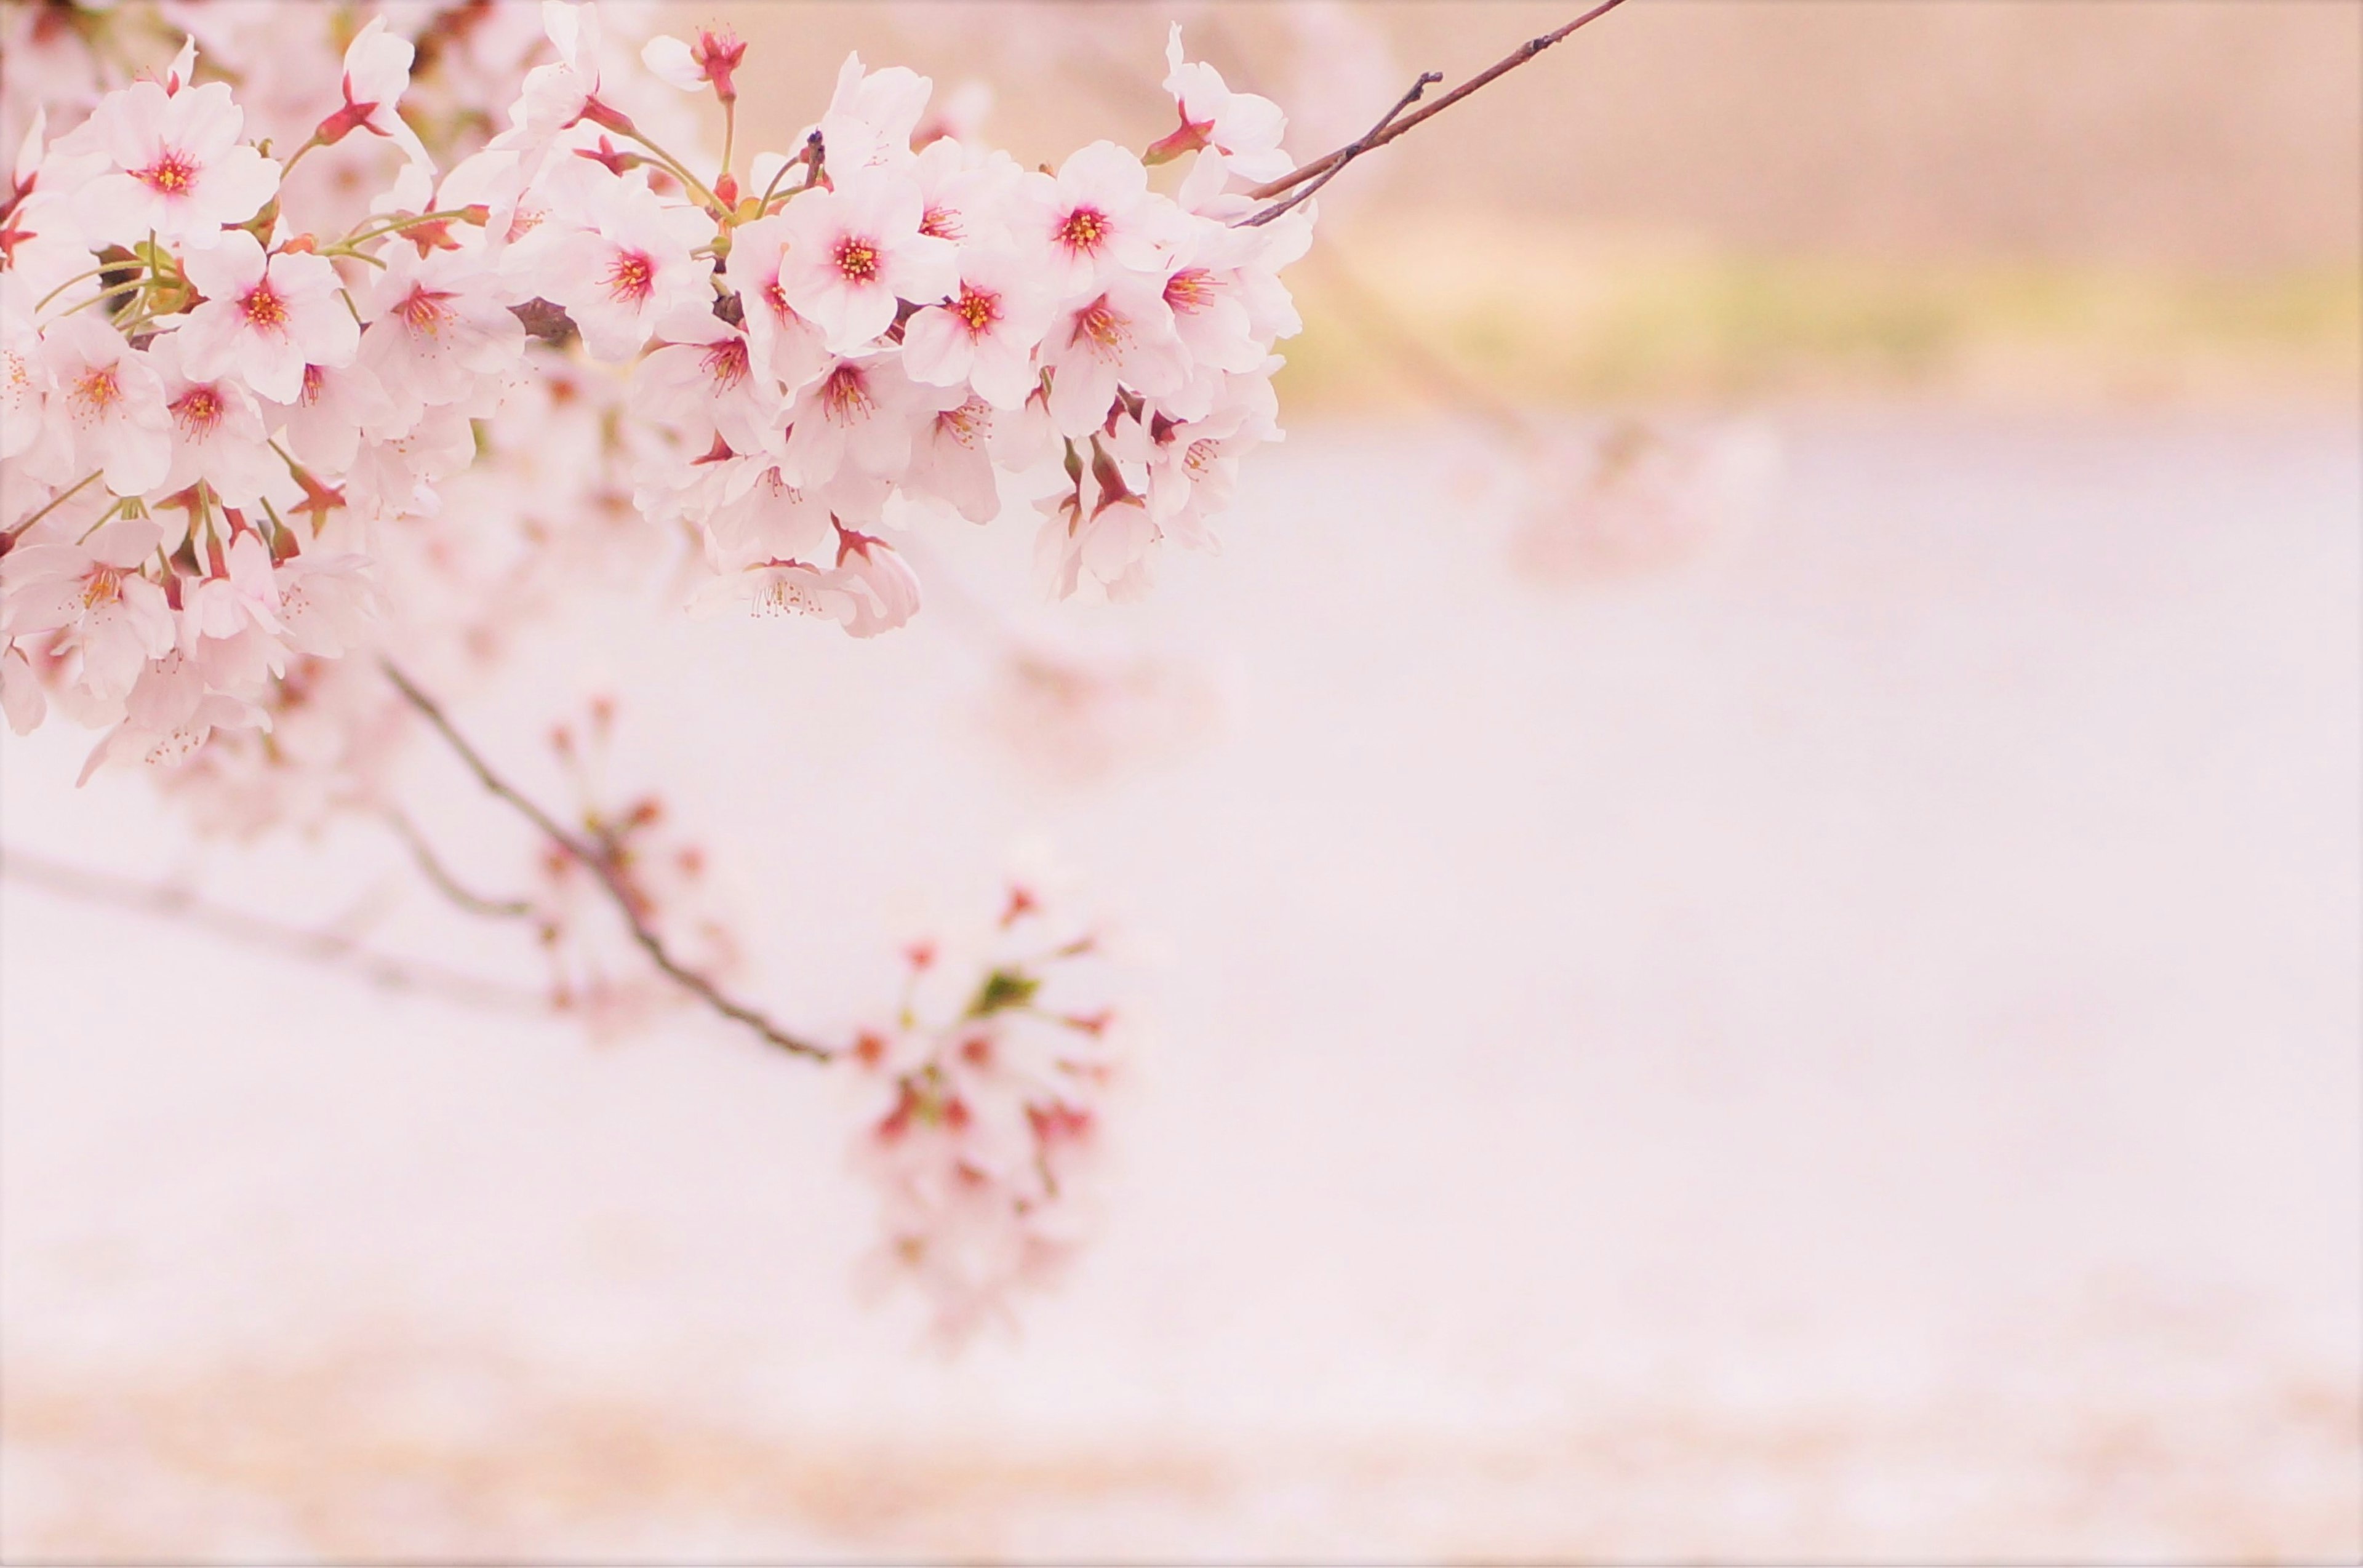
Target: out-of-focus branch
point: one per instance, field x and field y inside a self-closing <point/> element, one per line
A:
<point x="602" y="866"/>
<point x="1381" y="324"/>
<point x="1386" y="131"/>
<point x="327" y="948"/>
<point x="432" y="867"/>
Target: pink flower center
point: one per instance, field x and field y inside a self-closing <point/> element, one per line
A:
<point x="314" y="380"/>
<point x="99" y="389"/>
<point x="1086" y="228"/>
<point x="102" y="585"/>
<point x="845" y="395"/>
<point x="967" y="423"/>
<point x="857" y="259"/>
<point x="1189" y="290"/>
<point x="199" y="411"/>
<point x="1098" y="326"/>
<point x="942" y="223"/>
<point x="632" y="277"/>
<point x="726" y="362"/>
<point x="422" y="310"/>
<point x="263" y="308"/>
<point x="978" y="307"/>
<point x="170" y="175"/>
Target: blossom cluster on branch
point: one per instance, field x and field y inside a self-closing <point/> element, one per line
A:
<point x="218" y="406"/>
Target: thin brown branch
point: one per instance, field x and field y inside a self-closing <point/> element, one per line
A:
<point x="1330" y="162"/>
<point x="450" y="886"/>
<point x="1348" y="153"/>
<point x="327" y="948"/>
<point x="602" y="867"/>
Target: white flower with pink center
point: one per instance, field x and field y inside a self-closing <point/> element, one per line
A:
<point x="1096" y="215"/>
<point x="985" y="333"/>
<point x="704" y="383"/>
<point x="436" y="326"/>
<point x="108" y="405"/>
<point x="217" y="435"/>
<point x="627" y="269"/>
<point x="1122" y="335"/>
<point x="860" y="415"/>
<point x="115" y="619"/>
<point x="855" y="251"/>
<point x="791" y="350"/>
<point x="266" y="316"/>
<point x="964" y="194"/>
<point x="175" y="168"/>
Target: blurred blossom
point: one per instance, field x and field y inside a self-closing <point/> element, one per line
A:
<point x="1642" y="499"/>
<point x="1074" y="716"/>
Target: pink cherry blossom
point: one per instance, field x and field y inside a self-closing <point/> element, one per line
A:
<point x="1121" y="336"/>
<point x="436" y="326"/>
<point x="218" y="434"/>
<point x="855" y="251"/>
<point x="1096" y="214"/>
<point x="985" y="332"/>
<point x="109" y="406"/>
<point x="629" y="266"/>
<point x="266" y="316"/>
<point x="1243" y="128"/>
<point x="115" y="620"/>
<point x="790" y="348"/>
<point x="377" y="73"/>
<point x="175" y="167"/>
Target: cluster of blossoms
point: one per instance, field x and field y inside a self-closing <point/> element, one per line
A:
<point x="334" y="333"/>
<point x="216" y="415"/>
<point x="990" y="1080"/>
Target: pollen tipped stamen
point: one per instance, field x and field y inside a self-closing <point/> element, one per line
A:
<point x="857" y="260"/>
<point x="1084" y="230"/>
<point x="632" y="278"/>
<point x="170" y="175"/>
<point x="978" y="307"/>
<point x="263" y="308"/>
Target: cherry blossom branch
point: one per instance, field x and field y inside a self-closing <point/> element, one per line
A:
<point x="603" y="868"/>
<point x="1329" y="164"/>
<point x="1348" y="153"/>
<point x="327" y="948"/>
<point x="432" y="867"/>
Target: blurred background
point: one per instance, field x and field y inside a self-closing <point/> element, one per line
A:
<point x="1744" y="880"/>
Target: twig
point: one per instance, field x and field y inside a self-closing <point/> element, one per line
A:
<point x="602" y="867"/>
<point x="1329" y="161"/>
<point x="1347" y="153"/>
<point x="295" y="942"/>
<point x="445" y="882"/>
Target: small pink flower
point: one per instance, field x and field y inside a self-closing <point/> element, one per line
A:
<point x="175" y="168"/>
<point x="1095" y="215"/>
<point x="107" y="404"/>
<point x="855" y="251"/>
<point x="1243" y="128"/>
<point x="265" y="317"/>
<point x="627" y="269"/>
<point x="985" y="332"/>
<point x="115" y="619"/>
<point x="1121" y="336"/>
<point x="377" y="73"/>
